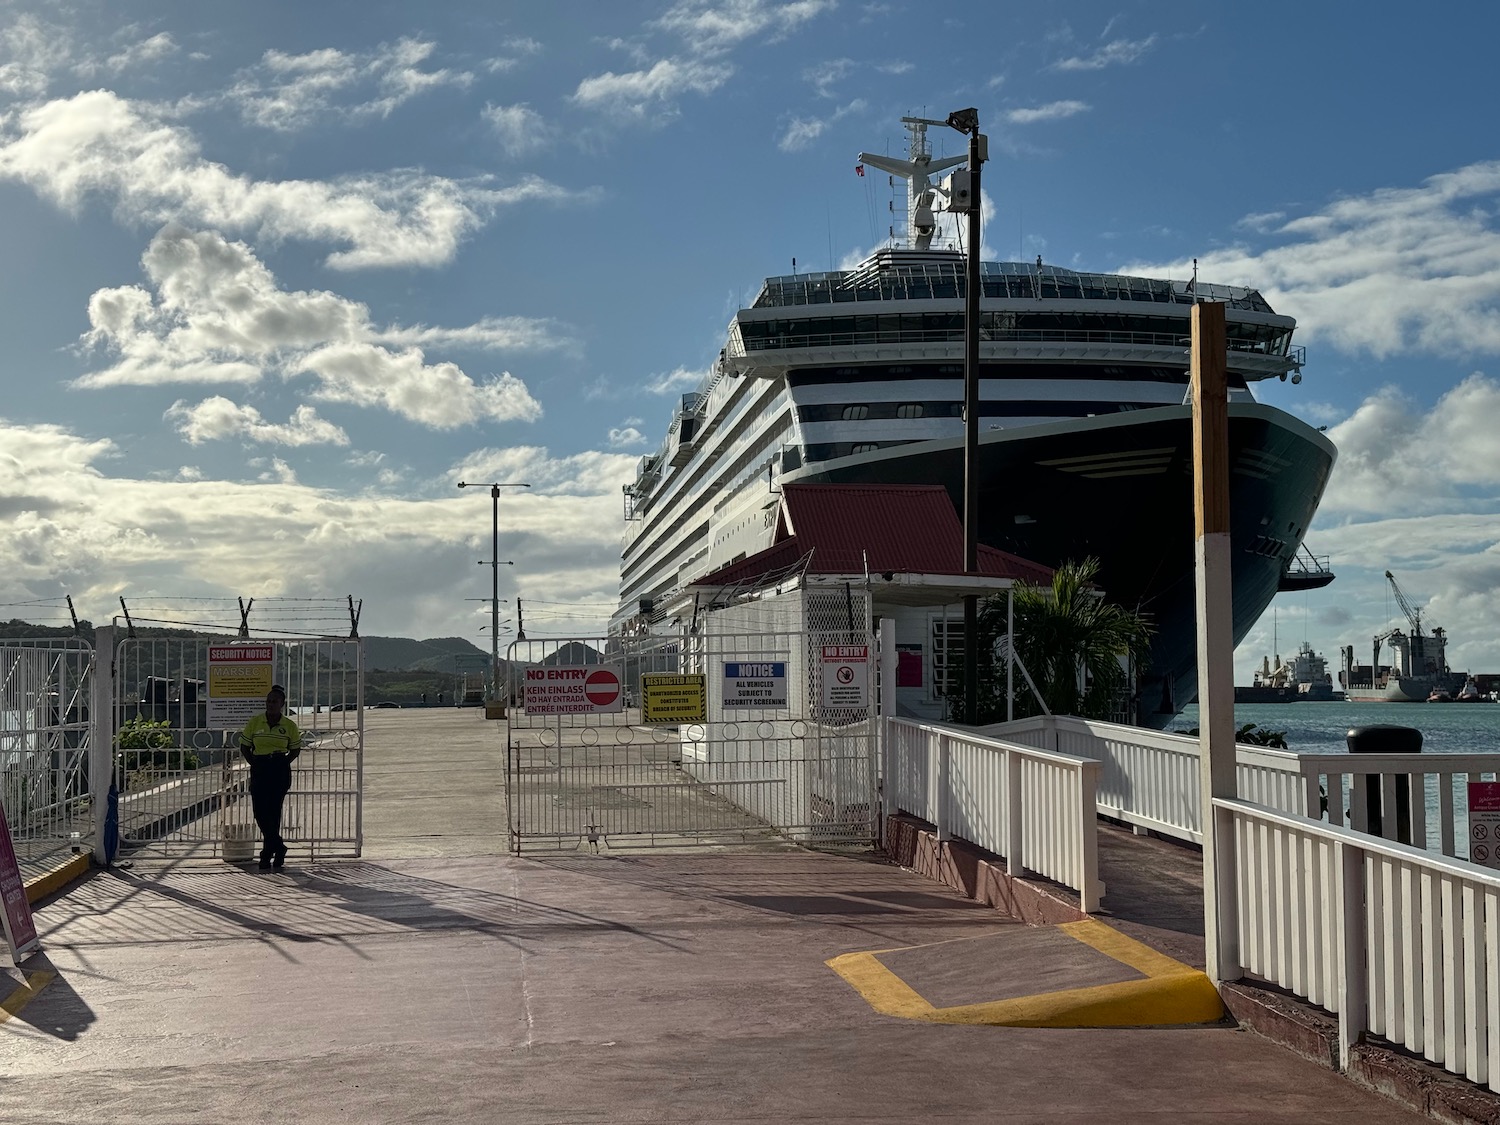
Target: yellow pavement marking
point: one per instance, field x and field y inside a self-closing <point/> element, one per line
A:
<point x="1171" y="993"/>
<point x="58" y="877"/>
<point x="25" y="994"/>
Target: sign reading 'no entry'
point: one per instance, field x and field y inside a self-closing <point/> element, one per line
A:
<point x="846" y="676"/>
<point x="579" y="689"/>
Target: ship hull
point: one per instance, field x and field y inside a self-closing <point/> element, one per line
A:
<point x="1119" y="488"/>
<point x="1404" y="689"/>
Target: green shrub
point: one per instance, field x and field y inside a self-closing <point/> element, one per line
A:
<point x="146" y="745"/>
<point x="1251" y="734"/>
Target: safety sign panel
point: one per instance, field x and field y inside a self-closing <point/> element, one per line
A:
<point x="672" y="698"/>
<point x="582" y="689"/>
<point x="239" y="676"/>
<point x="755" y="683"/>
<point x="846" y="676"/>
<point x="15" y="907"/>
<point x="1484" y="823"/>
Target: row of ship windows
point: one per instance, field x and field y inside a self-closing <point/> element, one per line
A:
<point x="1010" y="408"/>
<point x="998" y="325"/>
<point x="1055" y="372"/>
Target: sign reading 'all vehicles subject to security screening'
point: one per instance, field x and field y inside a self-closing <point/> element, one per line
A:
<point x="755" y="683"/>
<point x="668" y="697"/>
<point x="846" y="675"/>
<point x="586" y="689"/>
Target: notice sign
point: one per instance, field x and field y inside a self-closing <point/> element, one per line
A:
<point x="759" y="683"/>
<point x="239" y="676"/>
<point x="1484" y="823"/>
<point x="846" y="676"/>
<point x="670" y="698"/>
<point x="582" y="689"/>
<point x="15" y="908"/>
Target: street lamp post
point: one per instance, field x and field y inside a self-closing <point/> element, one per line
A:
<point x="495" y="577"/>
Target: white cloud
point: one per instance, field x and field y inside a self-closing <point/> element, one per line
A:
<point x="1052" y="111"/>
<point x="632" y="94"/>
<point x="675" y="381"/>
<point x="71" y="524"/>
<point x="1115" y="53"/>
<point x="825" y="76"/>
<point x="217" y="315"/>
<point x="1396" y="460"/>
<point x="803" y="131"/>
<point x="31" y="52"/>
<point x="219" y="419"/>
<point x="516" y="50"/>
<point x="151" y="50"/>
<point x="519" y="127"/>
<point x="287" y="92"/>
<point x="98" y="144"/>
<point x="1391" y="271"/>
<point x="715" y="26"/>
<point x="626" y="436"/>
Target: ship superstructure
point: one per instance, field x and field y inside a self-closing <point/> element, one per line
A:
<point x="1418" y="665"/>
<point x="856" y="376"/>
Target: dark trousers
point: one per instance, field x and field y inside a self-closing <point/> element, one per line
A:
<point x="270" y="778"/>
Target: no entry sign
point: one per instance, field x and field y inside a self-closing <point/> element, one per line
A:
<point x="846" y="676"/>
<point x="575" y="689"/>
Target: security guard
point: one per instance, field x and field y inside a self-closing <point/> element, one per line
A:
<point x="270" y="743"/>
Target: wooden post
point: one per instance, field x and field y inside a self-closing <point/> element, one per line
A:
<point x="1216" y="761"/>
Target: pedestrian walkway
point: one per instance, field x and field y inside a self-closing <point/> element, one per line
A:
<point x="441" y="979"/>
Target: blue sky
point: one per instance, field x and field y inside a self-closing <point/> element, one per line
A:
<point x="278" y="275"/>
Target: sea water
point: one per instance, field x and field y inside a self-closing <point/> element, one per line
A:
<point x="1322" y="728"/>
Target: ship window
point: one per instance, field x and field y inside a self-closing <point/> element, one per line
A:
<point x="855" y="413"/>
<point x="864" y="447"/>
<point x="909" y="410"/>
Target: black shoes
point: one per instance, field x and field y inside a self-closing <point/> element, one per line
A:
<point x="279" y="860"/>
<point x="265" y="861"/>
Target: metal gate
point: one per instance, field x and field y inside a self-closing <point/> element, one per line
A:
<point x="44" y="744"/>
<point x="793" y="768"/>
<point x="183" y="788"/>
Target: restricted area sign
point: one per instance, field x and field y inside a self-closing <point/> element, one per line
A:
<point x="574" y="689"/>
<point x="846" y="676"/>
<point x="239" y="676"/>
<point x="755" y="683"/>
<point x="671" y="698"/>
<point x="1484" y="823"/>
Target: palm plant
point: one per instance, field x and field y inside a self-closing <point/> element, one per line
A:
<point x="1068" y="637"/>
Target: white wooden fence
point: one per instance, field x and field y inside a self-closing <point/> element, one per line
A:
<point x="1035" y="807"/>
<point x="1396" y="940"/>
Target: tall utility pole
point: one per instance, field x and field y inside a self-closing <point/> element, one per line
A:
<point x="495" y="579"/>
<point x="965" y="199"/>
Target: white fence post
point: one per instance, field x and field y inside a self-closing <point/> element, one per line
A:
<point x="1353" y="983"/>
<point x="940" y="791"/>
<point x="101" y="735"/>
<point x="1090" y="889"/>
<point x="1014" y="864"/>
<point x="887" y="713"/>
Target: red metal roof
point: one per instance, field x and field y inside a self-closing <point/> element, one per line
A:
<point x="849" y="528"/>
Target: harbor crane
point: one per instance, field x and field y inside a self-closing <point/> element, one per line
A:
<point x="1416" y="660"/>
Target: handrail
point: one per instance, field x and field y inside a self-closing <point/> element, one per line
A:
<point x="1172" y="340"/>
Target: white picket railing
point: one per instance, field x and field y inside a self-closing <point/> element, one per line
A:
<point x="1396" y="940"/>
<point x="1035" y="807"/>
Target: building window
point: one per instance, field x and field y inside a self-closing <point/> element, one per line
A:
<point x="947" y="637"/>
<point x="856" y="413"/>
<point x="864" y="447"/>
<point x="909" y="410"/>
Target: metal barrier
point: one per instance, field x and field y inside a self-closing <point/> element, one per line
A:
<point x="1035" y="807"/>
<point x="792" y="768"/>
<point x="182" y="787"/>
<point x="1396" y="940"/>
<point x="45" y="739"/>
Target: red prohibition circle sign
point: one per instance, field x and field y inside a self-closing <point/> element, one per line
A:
<point x="602" y="687"/>
<point x="846" y="674"/>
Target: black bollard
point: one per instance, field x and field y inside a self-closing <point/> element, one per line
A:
<point x="1387" y="740"/>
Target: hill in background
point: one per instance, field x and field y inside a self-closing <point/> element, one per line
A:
<point x="437" y="654"/>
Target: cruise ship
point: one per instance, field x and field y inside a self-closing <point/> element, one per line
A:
<point x="856" y="376"/>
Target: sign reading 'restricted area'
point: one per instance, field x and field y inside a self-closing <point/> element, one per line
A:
<point x="239" y="676"/>
<point x="671" y="698"/>
<point x="1484" y="823"/>
<point x="846" y="676"/>
<point x="574" y="689"/>
<point x="755" y="683"/>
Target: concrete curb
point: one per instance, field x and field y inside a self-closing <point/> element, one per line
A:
<point x="59" y="877"/>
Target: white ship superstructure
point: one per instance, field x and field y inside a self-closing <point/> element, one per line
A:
<point x="857" y="376"/>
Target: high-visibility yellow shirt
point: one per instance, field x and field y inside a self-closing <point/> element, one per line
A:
<point x="260" y="737"/>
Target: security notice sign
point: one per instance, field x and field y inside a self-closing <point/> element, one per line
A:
<point x="583" y="689"/>
<point x="846" y="676"/>
<point x="15" y="907"/>
<point x="1484" y="823"/>
<point x="670" y="698"/>
<point x="239" y="676"/>
<point x="755" y="683"/>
